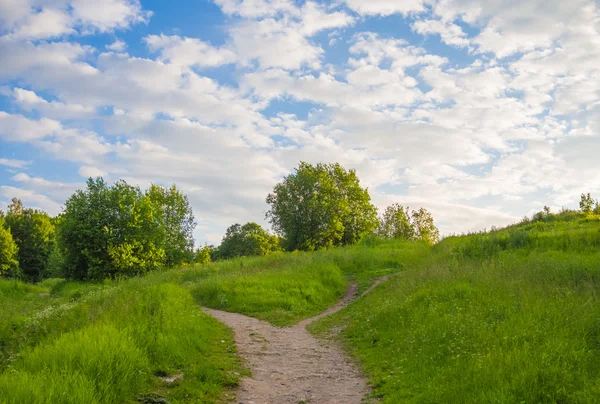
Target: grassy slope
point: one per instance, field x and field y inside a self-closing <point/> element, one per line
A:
<point x="286" y="288"/>
<point x="119" y="336"/>
<point x="108" y="343"/>
<point x="512" y="316"/>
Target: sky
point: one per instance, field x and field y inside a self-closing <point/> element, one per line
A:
<point x="481" y="111"/>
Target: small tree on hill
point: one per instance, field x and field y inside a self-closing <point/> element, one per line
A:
<point x="9" y="264"/>
<point x="247" y="240"/>
<point x="425" y="229"/>
<point x="176" y="222"/>
<point x="34" y="233"/>
<point x="396" y="223"/>
<point x="202" y="255"/>
<point x="321" y="206"/>
<point x="587" y="203"/>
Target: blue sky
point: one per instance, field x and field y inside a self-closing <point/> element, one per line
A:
<point x="478" y="110"/>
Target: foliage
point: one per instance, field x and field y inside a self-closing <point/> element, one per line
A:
<point x="395" y="223"/>
<point x="587" y="204"/>
<point x="106" y="231"/>
<point x="398" y="223"/>
<point x="321" y="206"/>
<point x="203" y="255"/>
<point x="247" y="240"/>
<point x="34" y="234"/>
<point x="176" y="222"/>
<point x="9" y="264"/>
<point x="110" y="230"/>
<point x="505" y="316"/>
<point x="424" y="227"/>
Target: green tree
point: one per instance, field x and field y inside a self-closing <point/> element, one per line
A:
<point x="9" y="264"/>
<point x="395" y="223"/>
<point x="321" y="206"/>
<point x="34" y="233"/>
<point x="586" y="204"/>
<point x="203" y="255"/>
<point x="176" y="221"/>
<point x="424" y="227"/>
<point x="110" y="230"/>
<point x="247" y="240"/>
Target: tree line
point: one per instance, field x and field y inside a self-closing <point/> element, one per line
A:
<point x="106" y="231"/>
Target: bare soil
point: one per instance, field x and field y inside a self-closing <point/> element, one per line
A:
<point x="289" y="365"/>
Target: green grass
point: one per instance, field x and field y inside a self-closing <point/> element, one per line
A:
<point x="286" y="288"/>
<point x="112" y="342"/>
<point x="487" y="319"/>
<point x="57" y="338"/>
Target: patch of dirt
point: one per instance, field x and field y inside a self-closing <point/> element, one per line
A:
<point x="289" y="365"/>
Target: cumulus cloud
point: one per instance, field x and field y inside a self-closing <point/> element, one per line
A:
<point x="40" y="19"/>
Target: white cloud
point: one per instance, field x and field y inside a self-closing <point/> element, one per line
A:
<point x="29" y="100"/>
<point x="31" y="199"/>
<point x="450" y="33"/>
<point x="188" y="51"/>
<point x="88" y="171"/>
<point x="14" y="163"/>
<point x="385" y="7"/>
<point x="117" y="46"/>
<point x="17" y="128"/>
<point x="39" y="19"/>
<point x="282" y="38"/>
<point x="257" y="8"/>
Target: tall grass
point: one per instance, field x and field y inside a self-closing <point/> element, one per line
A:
<point x="111" y="344"/>
<point x="285" y="288"/>
<point x="487" y="320"/>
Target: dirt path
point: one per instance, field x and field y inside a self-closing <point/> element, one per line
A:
<point x="289" y="365"/>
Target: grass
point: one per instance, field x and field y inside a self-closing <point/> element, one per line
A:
<point x="111" y="344"/>
<point x="286" y="288"/>
<point x="510" y="316"/>
<point x="112" y="341"/>
<point x="506" y="316"/>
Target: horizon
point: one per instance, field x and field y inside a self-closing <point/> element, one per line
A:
<point x="480" y="111"/>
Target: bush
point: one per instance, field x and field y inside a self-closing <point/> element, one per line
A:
<point x="9" y="265"/>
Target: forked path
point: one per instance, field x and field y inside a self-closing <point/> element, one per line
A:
<point x="289" y="365"/>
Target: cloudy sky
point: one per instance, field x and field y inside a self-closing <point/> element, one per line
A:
<point x="482" y="111"/>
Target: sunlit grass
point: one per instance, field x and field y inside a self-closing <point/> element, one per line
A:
<point x="484" y="321"/>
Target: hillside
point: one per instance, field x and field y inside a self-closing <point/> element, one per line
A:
<point x="508" y="316"/>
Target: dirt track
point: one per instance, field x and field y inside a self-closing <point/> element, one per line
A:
<point x="289" y="365"/>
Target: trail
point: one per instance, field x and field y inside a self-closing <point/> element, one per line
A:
<point x="289" y="365"/>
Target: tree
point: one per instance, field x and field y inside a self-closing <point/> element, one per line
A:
<point x="110" y="230"/>
<point x="396" y="223"/>
<point x="34" y="233"/>
<point x="586" y="204"/>
<point x="176" y="221"/>
<point x="320" y="207"/>
<point x="424" y="227"/>
<point x="9" y="264"/>
<point x="203" y="255"/>
<point x="247" y="240"/>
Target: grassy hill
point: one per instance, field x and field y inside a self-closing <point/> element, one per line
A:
<point x="506" y="316"/>
<point x="108" y="342"/>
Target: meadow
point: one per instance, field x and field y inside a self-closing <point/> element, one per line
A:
<point x="507" y="316"/>
<point x="116" y="340"/>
